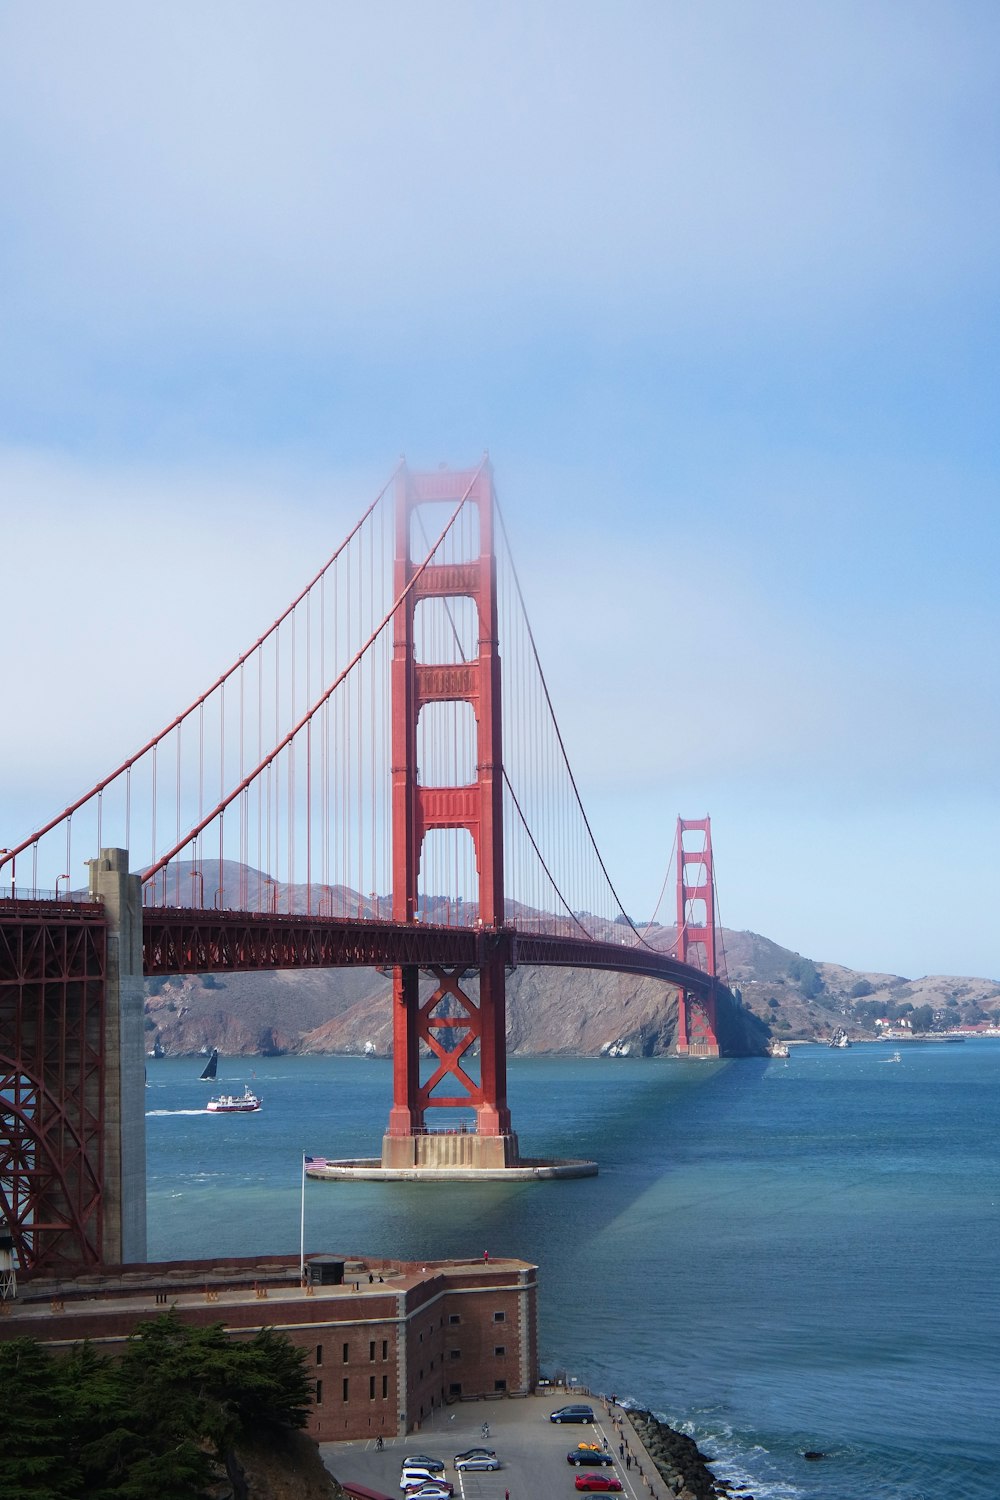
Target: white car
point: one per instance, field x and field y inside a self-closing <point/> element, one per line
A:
<point x="413" y="1478"/>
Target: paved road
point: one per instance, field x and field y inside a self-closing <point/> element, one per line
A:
<point x="532" y="1451"/>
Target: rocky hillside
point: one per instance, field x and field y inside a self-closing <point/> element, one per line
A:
<point x="561" y="1010"/>
<point x="803" y="999"/>
<point x="290" y="1469"/>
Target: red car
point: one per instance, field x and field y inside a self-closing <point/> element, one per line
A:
<point x="603" y="1482"/>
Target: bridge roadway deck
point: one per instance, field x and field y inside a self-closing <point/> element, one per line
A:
<point x="531" y="1449"/>
<point x="191" y="941"/>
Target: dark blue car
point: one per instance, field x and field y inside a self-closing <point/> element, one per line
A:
<point x="572" y="1414"/>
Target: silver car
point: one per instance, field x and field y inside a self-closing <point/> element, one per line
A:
<point x="477" y="1461"/>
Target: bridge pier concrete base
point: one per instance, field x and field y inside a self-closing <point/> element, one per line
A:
<point x="526" y="1169"/>
<point x="454" y="1150"/>
<point x="698" y="1049"/>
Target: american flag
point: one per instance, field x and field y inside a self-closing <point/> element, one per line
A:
<point x="315" y="1161"/>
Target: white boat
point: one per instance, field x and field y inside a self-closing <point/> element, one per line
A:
<point x="235" y="1104"/>
<point x="894" y="1058"/>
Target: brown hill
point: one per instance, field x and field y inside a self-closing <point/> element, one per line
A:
<point x="805" y="999"/>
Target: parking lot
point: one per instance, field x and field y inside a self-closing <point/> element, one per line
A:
<point x="531" y="1449"/>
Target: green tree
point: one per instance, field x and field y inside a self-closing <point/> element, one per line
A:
<point x="38" y="1408"/>
<point x="806" y="975"/>
<point x="158" y="1422"/>
<point x="202" y="1382"/>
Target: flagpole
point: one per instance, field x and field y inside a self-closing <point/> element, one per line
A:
<point x="302" y="1227"/>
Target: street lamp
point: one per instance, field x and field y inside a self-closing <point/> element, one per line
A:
<point x="58" y="878"/>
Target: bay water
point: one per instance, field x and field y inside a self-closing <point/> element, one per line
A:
<point x="775" y="1257"/>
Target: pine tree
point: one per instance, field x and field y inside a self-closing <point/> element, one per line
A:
<point x="155" y="1424"/>
<point x="38" y="1407"/>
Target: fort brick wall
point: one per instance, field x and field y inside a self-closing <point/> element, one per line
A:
<point x="386" y="1347"/>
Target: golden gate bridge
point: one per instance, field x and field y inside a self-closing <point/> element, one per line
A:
<point x="361" y="787"/>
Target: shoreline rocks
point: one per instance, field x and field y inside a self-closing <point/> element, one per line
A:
<point x="679" y="1461"/>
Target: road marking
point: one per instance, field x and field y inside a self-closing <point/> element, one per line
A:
<point x="617" y="1467"/>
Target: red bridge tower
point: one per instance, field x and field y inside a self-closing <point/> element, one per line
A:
<point x="449" y="1021"/>
<point x="696" y="1035"/>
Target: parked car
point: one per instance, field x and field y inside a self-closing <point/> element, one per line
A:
<point x="590" y="1456"/>
<point x="481" y="1460"/>
<point x="476" y="1453"/>
<point x="600" y="1482"/>
<point x="421" y="1461"/>
<point x="431" y="1489"/>
<point x="572" y="1414"/>
<point x="415" y="1478"/>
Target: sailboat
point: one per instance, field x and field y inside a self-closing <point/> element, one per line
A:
<point x="212" y="1066"/>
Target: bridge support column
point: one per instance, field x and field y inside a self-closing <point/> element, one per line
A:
<point x="696" y="1034"/>
<point x="125" y="1107"/>
<point x="406" y="1116"/>
<point x="453" y="1024"/>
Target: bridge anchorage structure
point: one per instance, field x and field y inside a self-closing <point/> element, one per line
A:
<point x="361" y="735"/>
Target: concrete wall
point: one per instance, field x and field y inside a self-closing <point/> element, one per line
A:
<point x="125" y="1108"/>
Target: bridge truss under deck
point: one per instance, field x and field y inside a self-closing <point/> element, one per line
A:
<point x="53" y="1084"/>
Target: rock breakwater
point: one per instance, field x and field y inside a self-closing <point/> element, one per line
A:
<point x="679" y="1461"/>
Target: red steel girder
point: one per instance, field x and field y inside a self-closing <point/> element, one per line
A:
<point x="52" y="1082"/>
<point x="179" y="941"/>
<point x="461" y="1016"/>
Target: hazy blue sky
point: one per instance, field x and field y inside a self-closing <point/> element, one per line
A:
<point x="716" y="285"/>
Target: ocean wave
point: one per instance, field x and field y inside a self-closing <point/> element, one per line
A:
<point x="743" y="1463"/>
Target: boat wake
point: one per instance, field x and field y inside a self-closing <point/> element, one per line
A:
<point x="150" y="1113"/>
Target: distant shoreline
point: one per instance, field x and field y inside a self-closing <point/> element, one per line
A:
<point x="936" y="1039"/>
